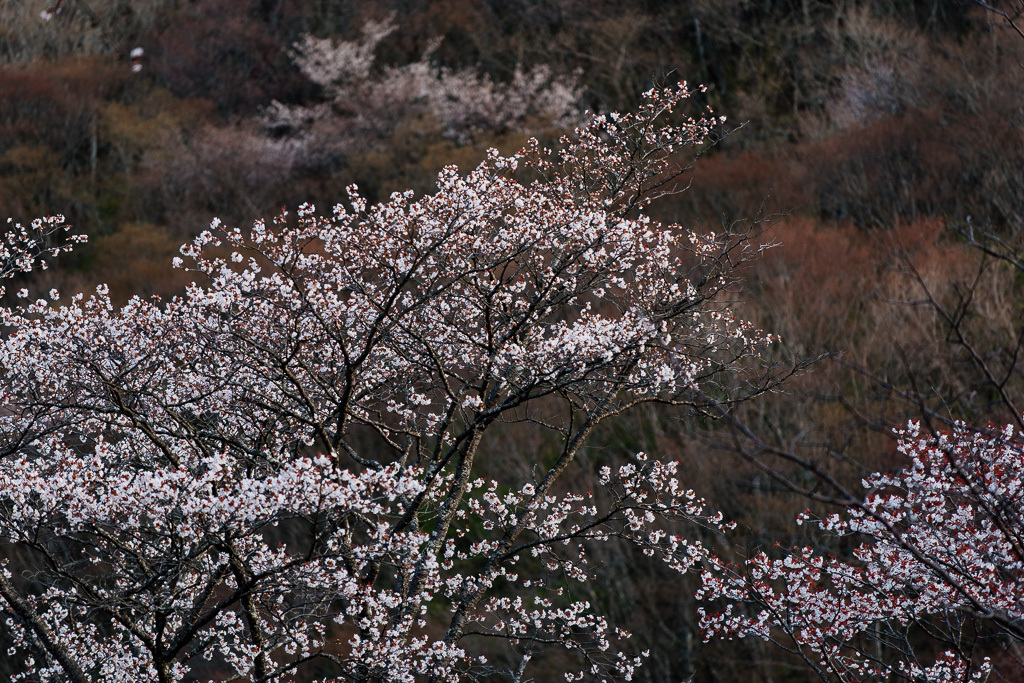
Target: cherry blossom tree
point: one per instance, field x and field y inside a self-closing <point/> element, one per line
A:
<point x="942" y="558"/>
<point x="280" y="474"/>
<point x="364" y="99"/>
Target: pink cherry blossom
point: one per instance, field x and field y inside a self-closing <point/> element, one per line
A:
<point x="941" y="544"/>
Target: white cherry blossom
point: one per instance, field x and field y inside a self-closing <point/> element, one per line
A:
<point x="280" y="470"/>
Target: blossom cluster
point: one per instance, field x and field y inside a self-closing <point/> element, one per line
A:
<point x="942" y="543"/>
<point x="23" y="248"/>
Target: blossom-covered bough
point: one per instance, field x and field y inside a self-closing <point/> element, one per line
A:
<point x="24" y="248"/>
<point x="941" y="560"/>
<point x="278" y="475"/>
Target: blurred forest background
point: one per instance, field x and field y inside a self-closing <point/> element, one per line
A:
<point x="882" y="139"/>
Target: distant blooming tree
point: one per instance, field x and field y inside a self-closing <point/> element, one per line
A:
<point x="278" y="476"/>
<point x="362" y="97"/>
<point x="941" y="559"/>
